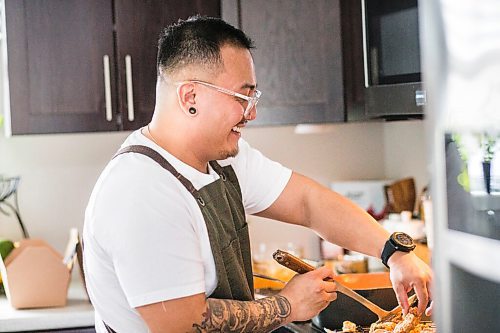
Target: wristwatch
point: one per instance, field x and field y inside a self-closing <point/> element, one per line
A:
<point x="399" y="241"/>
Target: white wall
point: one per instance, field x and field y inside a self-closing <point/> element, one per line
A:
<point x="58" y="171"/>
<point x="57" y="174"/>
<point x="342" y="152"/>
<point x="405" y="148"/>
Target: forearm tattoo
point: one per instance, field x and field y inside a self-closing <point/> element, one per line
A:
<point x="263" y="315"/>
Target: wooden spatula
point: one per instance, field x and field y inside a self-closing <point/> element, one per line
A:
<point x="297" y="265"/>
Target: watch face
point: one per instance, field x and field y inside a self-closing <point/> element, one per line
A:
<point x="403" y="239"/>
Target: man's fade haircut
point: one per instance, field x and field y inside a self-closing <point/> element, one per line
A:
<point x="197" y="41"/>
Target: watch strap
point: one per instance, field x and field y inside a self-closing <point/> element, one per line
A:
<point x="387" y="252"/>
<point x="392" y="246"/>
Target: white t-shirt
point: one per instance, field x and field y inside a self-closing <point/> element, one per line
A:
<point x="145" y="237"/>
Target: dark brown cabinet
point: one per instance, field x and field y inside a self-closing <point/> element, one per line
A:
<point x="55" y="64"/>
<point x="298" y="59"/>
<point x="352" y="51"/>
<point x="138" y="25"/>
<point x="85" y="66"/>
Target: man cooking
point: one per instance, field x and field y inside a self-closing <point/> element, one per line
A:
<point x="166" y="242"/>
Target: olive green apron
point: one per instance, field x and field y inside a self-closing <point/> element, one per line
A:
<point x="222" y="208"/>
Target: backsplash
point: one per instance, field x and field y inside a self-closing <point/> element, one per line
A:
<point x="58" y="172"/>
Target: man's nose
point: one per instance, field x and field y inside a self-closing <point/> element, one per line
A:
<point x="252" y="114"/>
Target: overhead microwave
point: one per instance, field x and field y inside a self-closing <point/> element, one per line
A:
<point x="391" y="59"/>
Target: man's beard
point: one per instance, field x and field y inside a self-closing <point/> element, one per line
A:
<point x="231" y="153"/>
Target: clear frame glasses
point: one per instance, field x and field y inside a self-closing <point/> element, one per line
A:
<point x="251" y="101"/>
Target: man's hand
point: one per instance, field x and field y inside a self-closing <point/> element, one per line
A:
<point x="308" y="294"/>
<point x="408" y="272"/>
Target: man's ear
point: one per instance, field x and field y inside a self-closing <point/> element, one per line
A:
<point x="187" y="95"/>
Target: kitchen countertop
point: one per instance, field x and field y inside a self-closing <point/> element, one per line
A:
<point x="78" y="312"/>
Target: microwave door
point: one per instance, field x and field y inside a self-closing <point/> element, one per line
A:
<point x="391" y="56"/>
<point x="395" y="102"/>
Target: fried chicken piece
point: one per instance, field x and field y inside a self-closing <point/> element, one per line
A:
<point x="349" y="327"/>
<point x="399" y="324"/>
<point x="382" y="326"/>
<point x="409" y="322"/>
<point x="424" y="328"/>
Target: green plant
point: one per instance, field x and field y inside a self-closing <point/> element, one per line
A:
<point x="463" y="177"/>
<point x="488" y="146"/>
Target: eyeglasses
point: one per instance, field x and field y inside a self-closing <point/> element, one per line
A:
<point x="251" y="101"/>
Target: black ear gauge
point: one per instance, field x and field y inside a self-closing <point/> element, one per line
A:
<point x="192" y="111"/>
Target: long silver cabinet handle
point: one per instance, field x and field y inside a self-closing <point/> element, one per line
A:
<point x="365" y="51"/>
<point x="130" y="88"/>
<point x="107" y="88"/>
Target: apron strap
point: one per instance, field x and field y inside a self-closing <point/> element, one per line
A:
<point x="79" y="249"/>
<point x="158" y="158"/>
<point x="108" y="329"/>
<point x="220" y="170"/>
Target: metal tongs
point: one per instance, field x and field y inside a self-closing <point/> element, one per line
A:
<point x="301" y="267"/>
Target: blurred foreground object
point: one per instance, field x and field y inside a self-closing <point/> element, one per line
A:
<point x="8" y="188"/>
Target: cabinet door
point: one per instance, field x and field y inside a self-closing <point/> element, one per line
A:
<point x="138" y="26"/>
<point x="55" y="65"/>
<point x="352" y="45"/>
<point x="298" y="60"/>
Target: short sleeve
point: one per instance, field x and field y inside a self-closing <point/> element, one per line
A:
<point x="154" y="247"/>
<point x="261" y="179"/>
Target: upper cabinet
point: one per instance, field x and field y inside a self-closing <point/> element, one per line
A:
<point x="298" y="58"/>
<point x="138" y="25"/>
<point x="333" y="60"/>
<point x="84" y="66"/>
<point x="55" y="65"/>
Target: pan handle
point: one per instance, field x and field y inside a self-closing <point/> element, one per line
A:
<point x="292" y="262"/>
<point x="297" y="265"/>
